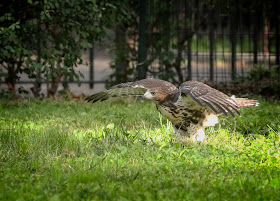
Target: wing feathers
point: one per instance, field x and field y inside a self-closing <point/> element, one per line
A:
<point x="227" y="105"/>
<point x="116" y="92"/>
<point x="196" y="100"/>
<point x="226" y="101"/>
<point x="207" y="102"/>
<point x="227" y="108"/>
<point x="212" y="98"/>
<point x="97" y="97"/>
<point x="223" y="110"/>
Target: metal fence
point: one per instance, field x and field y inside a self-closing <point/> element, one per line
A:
<point x="211" y="44"/>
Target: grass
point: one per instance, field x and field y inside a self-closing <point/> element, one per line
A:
<point x="56" y="150"/>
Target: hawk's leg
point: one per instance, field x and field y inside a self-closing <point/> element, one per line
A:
<point x="194" y="134"/>
<point x="198" y="136"/>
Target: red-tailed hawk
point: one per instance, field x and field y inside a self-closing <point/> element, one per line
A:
<point x="190" y="108"/>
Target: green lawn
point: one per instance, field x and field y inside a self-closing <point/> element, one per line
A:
<point x="56" y="150"/>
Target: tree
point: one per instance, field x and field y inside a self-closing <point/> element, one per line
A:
<point x="44" y="39"/>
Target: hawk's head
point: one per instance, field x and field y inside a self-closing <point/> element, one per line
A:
<point x="159" y="95"/>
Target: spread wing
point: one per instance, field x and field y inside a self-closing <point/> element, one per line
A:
<point x="205" y="95"/>
<point x="137" y="88"/>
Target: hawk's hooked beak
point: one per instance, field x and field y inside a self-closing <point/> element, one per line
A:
<point x="147" y="95"/>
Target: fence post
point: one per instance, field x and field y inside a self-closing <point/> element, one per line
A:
<point x="211" y="44"/>
<point x="121" y="61"/>
<point x="189" y="55"/>
<point x="277" y="37"/>
<point x="233" y="38"/>
<point x="277" y="62"/>
<point x="91" y="66"/>
<point x="188" y="13"/>
<point x="141" y="68"/>
<point x="255" y="37"/>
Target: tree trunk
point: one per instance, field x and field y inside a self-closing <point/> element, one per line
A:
<point x="54" y="85"/>
<point x="36" y="89"/>
<point x="11" y="78"/>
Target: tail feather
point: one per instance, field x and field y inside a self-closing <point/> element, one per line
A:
<point x="245" y="102"/>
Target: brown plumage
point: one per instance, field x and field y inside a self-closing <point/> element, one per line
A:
<point x="190" y="108"/>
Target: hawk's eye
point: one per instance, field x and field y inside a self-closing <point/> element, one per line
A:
<point x="153" y="93"/>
